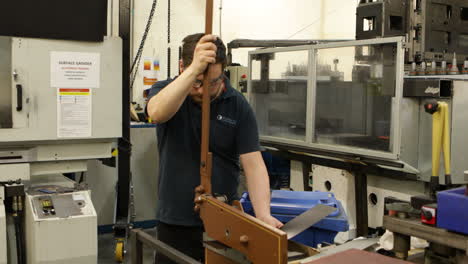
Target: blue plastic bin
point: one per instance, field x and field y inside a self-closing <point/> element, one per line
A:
<point x="452" y="210"/>
<point x="286" y="205"/>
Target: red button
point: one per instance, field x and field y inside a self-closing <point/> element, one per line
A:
<point x="243" y="76"/>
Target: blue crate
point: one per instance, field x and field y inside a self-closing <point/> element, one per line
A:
<point x="452" y="210"/>
<point x="286" y="205"/>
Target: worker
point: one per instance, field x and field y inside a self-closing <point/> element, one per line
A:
<point x="175" y="105"/>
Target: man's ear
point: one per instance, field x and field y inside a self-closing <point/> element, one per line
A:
<point x="181" y="66"/>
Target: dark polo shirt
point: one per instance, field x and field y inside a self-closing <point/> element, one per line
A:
<point x="233" y="131"/>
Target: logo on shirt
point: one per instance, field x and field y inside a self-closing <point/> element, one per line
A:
<point x="226" y="120"/>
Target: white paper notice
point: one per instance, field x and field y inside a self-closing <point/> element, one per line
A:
<point x="74" y="69"/>
<point x="74" y="112"/>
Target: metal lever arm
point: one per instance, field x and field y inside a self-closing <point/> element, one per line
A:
<point x="206" y="156"/>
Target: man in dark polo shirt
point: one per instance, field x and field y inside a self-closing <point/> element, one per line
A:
<point x="175" y="105"/>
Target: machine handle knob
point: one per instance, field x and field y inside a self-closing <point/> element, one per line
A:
<point x="244" y="239"/>
<point x="427" y="214"/>
<point x="431" y="106"/>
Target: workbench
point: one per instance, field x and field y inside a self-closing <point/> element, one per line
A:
<point x="217" y="253"/>
<point x="442" y="242"/>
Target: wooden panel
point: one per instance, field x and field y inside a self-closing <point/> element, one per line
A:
<point x="212" y="257"/>
<point x="261" y="243"/>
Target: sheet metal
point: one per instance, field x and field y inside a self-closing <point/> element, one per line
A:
<point x="357" y="256"/>
<point x="307" y="219"/>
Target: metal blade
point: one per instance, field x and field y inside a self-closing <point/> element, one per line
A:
<point x="307" y="219"/>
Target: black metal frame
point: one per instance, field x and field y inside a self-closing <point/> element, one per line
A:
<point x="362" y="214"/>
<point x="357" y="167"/>
<point x="272" y="43"/>
<point x="138" y="238"/>
<point x="306" y="165"/>
<point x="124" y="175"/>
<point x="338" y="159"/>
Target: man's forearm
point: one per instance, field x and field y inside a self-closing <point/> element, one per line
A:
<point x="258" y="184"/>
<point x="168" y="101"/>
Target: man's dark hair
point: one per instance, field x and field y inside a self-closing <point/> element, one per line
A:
<point x="190" y="42"/>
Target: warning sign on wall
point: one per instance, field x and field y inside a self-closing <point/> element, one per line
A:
<point x="74" y="69"/>
<point x="74" y="112"/>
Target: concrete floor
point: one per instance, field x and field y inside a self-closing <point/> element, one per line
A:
<point x="106" y="248"/>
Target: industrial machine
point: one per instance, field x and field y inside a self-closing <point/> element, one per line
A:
<point x="60" y="106"/>
<point x="52" y="216"/>
<point x="435" y="28"/>
<point x="238" y="77"/>
<point x="53" y="209"/>
<point x="352" y="101"/>
<point x="354" y="106"/>
<point x="363" y="101"/>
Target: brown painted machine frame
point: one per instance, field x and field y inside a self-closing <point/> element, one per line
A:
<point x="228" y="225"/>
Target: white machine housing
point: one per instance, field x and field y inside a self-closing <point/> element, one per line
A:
<point x="30" y="144"/>
<point x="33" y="135"/>
<point x="341" y="183"/>
<point x="69" y="237"/>
<point x="30" y="60"/>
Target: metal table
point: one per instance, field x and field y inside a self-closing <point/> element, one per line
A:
<point x="439" y="238"/>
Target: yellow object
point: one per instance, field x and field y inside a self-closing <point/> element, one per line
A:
<point x="115" y="153"/>
<point x="46" y="203"/>
<point x="119" y="251"/>
<point x="440" y="139"/>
